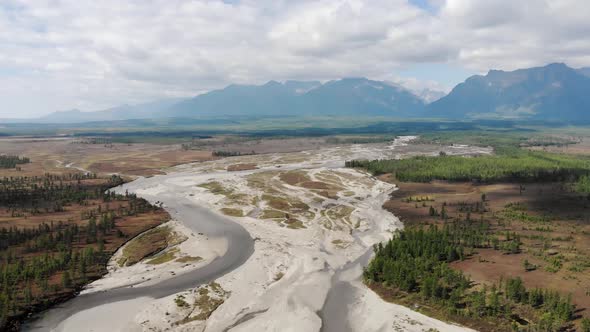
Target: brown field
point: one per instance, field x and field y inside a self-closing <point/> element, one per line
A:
<point x="552" y="221"/>
<point x="51" y="156"/>
<point x="137" y="159"/>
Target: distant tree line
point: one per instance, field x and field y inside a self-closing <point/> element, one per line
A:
<point x="232" y="153"/>
<point x="106" y="141"/>
<point x="52" y="192"/>
<point x="7" y="161"/>
<point x="523" y="166"/>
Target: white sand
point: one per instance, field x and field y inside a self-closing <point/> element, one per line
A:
<point x="107" y="318"/>
<point x="370" y="313"/>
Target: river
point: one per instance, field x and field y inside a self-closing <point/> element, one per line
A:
<point x="198" y="219"/>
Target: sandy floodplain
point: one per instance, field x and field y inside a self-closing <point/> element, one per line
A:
<point x="310" y="226"/>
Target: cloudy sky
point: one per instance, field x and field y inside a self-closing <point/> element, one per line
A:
<point x="86" y="54"/>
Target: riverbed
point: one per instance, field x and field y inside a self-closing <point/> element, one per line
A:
<point x="274" y="277"/>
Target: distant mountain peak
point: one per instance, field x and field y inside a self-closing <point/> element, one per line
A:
<point x="551" y="92"/>
<point x="273" y="83"/>
<point x="559" y="65"/>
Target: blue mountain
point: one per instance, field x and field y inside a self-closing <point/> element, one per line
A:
<point x="552" y="92"/>
<point x="349" y="96"/>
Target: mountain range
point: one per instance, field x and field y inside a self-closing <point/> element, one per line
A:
<point x="552" y="92"/>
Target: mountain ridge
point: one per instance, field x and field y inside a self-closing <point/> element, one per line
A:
<point x="273" y="98"/>
<point x="551" y="92"/>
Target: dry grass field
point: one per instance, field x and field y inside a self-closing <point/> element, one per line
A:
<point x="69" y="155"/>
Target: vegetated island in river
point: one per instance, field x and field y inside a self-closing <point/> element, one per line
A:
<point x="499" y="245"/>
<point x="57" y="233"/>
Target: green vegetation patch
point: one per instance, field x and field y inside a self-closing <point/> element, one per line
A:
<point x="301" y="179"/>
<point x="232" y="212"/>
<point x="340" y="212"/>
<point x="260" y="180"/>
<point x="189" y="259"/>
<point x="519" y="165"/>
<point x="497" y="138"/>
<point x="294" y="177"/>
<point x="208" y="299"/>
<point x="276" y="202"/>
<point x="164" y="257"/>
<point x="145" y="245"/>
<point x="518" y="211"/>
<point x="149" y="244"/>
<point x="340" y="243"/>
<point x="216" y="188"/>
<point x="583" y="185"/>
<point x="273" y="214"/>
<point x="294" y="223"/>
<point x="285" y="204"/>
<point x="180" y="301"/>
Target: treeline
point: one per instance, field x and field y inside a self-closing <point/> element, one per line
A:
<point x="101" y="221"/>
<point x="107" y="141"/>
<point x="359" y="139"/>
<point x="7" y="161"/>
<point x="416" y="261"/>
<point x="50" y="193"/>
<point x="523" y="166"/>
<point x="495" y="139"/>
<point x="232" y="153"/>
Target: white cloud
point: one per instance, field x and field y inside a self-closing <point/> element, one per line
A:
<point x="510" y="34"/>
<point x="59" y="54"/>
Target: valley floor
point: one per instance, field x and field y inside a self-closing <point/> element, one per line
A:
<point x="313" y="224"/>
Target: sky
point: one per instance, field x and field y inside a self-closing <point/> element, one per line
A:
<point x="91" y="55"/>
